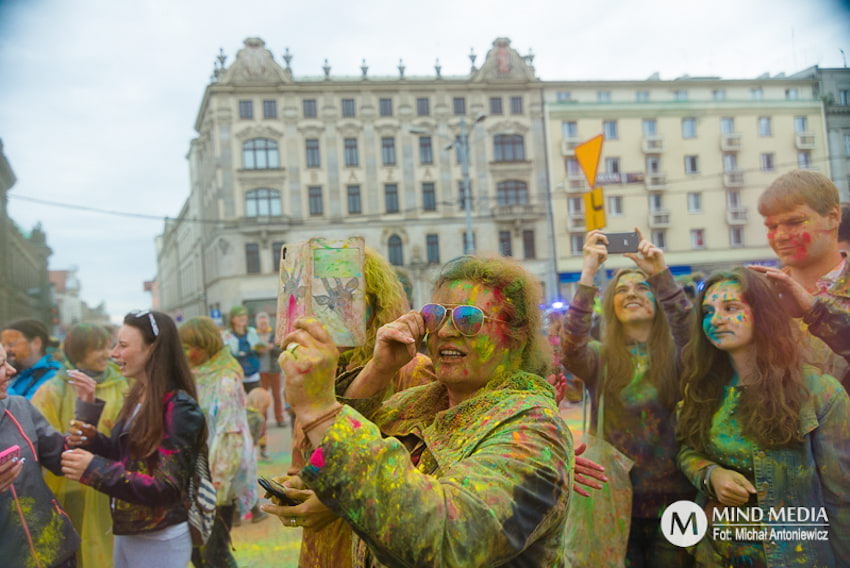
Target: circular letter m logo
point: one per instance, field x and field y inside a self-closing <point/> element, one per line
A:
<point x="684" y="523"/>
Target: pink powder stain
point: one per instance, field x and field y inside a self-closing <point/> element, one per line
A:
<point x="318" y="458"/>
<point x="356" y="423"/>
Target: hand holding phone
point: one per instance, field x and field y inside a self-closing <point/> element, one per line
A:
<point x="619" y="243"/>
<point x="9" y="453"/>
<point x="277" y="491"/>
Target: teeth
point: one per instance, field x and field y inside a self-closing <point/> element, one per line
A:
<point x="450" y="353"/>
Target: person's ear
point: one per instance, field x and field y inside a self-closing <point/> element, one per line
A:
<point x="834" y="217"/>
<point x="37" y="345"/>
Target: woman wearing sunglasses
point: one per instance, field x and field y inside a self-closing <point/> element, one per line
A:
<point x="634" y="371"/>
<point x="146" y="463"/>
<point x="472" y="470"/>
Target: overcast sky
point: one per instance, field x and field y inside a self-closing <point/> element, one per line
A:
<point x="99" y="98"/>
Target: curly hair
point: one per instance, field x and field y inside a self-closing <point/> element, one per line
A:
<point x="770" y="405"/>
<point x="522" y="297"/>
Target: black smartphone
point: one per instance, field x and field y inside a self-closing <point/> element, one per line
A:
<point x="622" y="242"/>
<point x="276" y="490"/>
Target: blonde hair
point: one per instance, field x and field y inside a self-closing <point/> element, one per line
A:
<point x="259" y="399"/>
<point x="799" y="187"/>
<point x="203" y="333"/>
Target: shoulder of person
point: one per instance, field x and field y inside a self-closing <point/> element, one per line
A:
<point x="823" y="389"/>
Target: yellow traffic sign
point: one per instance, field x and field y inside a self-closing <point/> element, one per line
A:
<point x="587" y="155"/>
<point x="594" y="209"/>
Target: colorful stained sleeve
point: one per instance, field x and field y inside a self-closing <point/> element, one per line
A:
<point x="175" y="458"/>
<point x="225" y="457"/>
<point x="831" y="324"/>
<point x="482" y="510"/>
<point x="831" y="448"/>
<point x="693" y="464"/>
<point x="580" y="353"/>
<point x="676" y="305"/>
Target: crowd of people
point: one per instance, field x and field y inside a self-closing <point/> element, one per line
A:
<point x="440" y="441"/>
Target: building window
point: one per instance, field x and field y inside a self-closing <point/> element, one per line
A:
<point x="569" y="128"/>
<point x="260" y="154"/>
<point x="246" y="110"/>
<point x="844" y="97"/>
<point x="653" y="164"/>
<point x="432" y="248"/>
<point x="727" y="125"/>
<point x="609" y="129"/>
<point x="767" y="164"/>
<point x="697" y="238"/>
<point x="252" y="258"/>
<point x="426" y="151"/>
<point x="462" y="197"/>
<point x="516" y="105"/>
<point x="730" y="162"/>
<point x="314" y="158"/>
<point x="466" y="240"/>
<point x="353" y="192"/>
<point x="575" y="206"/>
<point x="512" y="192"/>
<point x="765" y="126"/>
<point x="736" y="237"/>
<point x="689" y="127"/>
<point x="496" y="105"/>
<point x="757" y="94"/>
<point x="459" y="106"/>
<point x="680" y="95"/>
<point x="388" y="150"/>
<point x="804" y="159"/>
<point x="385" y="107"/>
<point x="348" y="108"/>
<point x="563" y="96"/>
<point x="396" y="253"/>
<point x="659" y="238"/>
<point x="528" y="248"/>
<point x="352" y="158"/>
<point x="576" y="244"/>
<point x="391" y="197"/>
<point x="612" y="165"/>
<point x="615" y="205"/>
<point x="508" y="148"/>
<point x="505" y="244"/>
<point x="691" y="164"/>
<point x="423" y="108"/>
<point x="603" y="96"/>
<point x="270" y="109"/>
<point x="262" y="203"/>
<point x="573" y="169"/>
<point x="656" y="202"/>
<point x="650" y="127"/>
<point x="733" y="199"/>
<point x="847" y="144"/>
<point x="317" y="207"/>
<point x="694" y="203"/>
<point x="277" y="246"/>
<point x="429" y="196"/>
<point x="641" y="96"/>
<point x="718" y="94"/>
<point x="801" y="124"/>
<point x="310" y="109"/>
<point x="791" y="94"/>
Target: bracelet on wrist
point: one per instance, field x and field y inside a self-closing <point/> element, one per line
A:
<point x="326" y="416"/>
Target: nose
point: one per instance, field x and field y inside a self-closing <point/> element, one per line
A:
<point x="447" y="327"/>
<point x="716" y="319"/>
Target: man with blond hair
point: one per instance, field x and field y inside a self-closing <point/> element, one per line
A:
<point x="802" y="215"/>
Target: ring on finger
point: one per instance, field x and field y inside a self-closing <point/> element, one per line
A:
<point x="292" y="347"/>
<point x="293" y="522"/>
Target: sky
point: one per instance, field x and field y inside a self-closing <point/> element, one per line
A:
<point x="99" y="98"/>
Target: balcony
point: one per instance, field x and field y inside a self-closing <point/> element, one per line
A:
<point x="659" y="219"/>
<point x="730" y="142"/>
<point x="568" y="146"/>
<point x="736" y="215"/>
<point x="733" y="180"/>
<point x="805" y="141"/>
<point x="656" y="181"/>
<point x="575" y="222"/>
<point x="577" y="183"/>
<point x="517" y="211"/>
<point x="652" y="144"/>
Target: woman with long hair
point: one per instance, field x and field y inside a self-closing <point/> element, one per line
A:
<point x="758" y="428"/>
<point x="146" y="463"/>
<point x="86" y="349"/>
<point x="633" y="371"/>
<point x="470" y="470"/>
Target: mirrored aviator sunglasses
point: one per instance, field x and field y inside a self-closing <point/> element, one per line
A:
<point x="466" y="319"/>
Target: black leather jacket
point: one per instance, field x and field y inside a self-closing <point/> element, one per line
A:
<point x="149" y="494"/>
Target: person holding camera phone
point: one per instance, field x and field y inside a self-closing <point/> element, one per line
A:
<point x="36" y="530"/>
<point x="635" y="368"/>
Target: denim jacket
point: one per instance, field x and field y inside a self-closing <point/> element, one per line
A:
<point x="814" y="474"/>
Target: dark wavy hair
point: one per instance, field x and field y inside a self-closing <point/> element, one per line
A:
<point x="167" y="370"/>
<point x="770" y="405"/>
<point x="618" y="361"/>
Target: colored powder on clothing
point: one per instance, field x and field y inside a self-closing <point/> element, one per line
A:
<point x="317" y="459"/>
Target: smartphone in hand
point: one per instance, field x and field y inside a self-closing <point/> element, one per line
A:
<point x="622" y="242"/>
<point x="9" y="453"/>
<point x="277" y="491"/>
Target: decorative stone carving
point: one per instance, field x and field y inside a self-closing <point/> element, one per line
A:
<point x="258" y="131"/>
<point x="254" y="64"/>
<point x="503" y="63"/>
